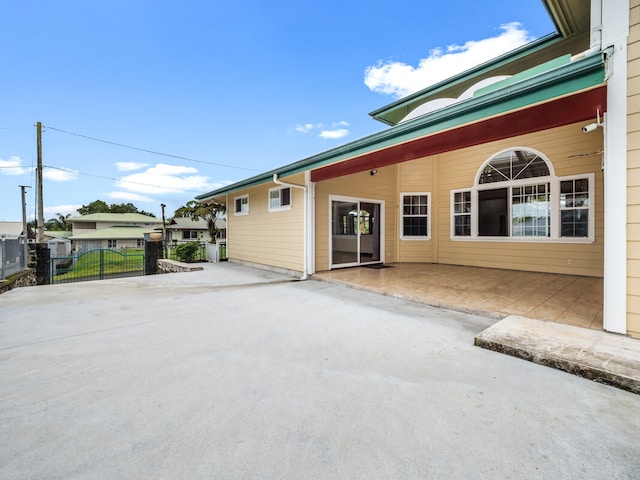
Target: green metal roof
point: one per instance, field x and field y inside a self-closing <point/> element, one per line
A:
<point x="116" y="218"/>
<point x="541" y="86"/>
<point x="115" y="233"/>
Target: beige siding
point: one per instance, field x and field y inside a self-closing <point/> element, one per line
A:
<point x="633" y="172"/>
<point x="267" y="238"/>
<point x="571" y="153"/>
<point x="566" y="148"/>
<point x="380" y="187"/>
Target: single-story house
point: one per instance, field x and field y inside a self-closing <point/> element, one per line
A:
<point x="112" y="230"/>
<point x="528" y="162"/>
<point x="181" y="229"/>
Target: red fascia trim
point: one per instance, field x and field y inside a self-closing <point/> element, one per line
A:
<point x="556" y="113"/>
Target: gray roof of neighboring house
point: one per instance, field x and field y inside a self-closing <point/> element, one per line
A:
<point x="13" y="229"/>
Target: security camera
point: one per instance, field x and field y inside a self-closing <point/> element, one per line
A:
<point x="590" y="128"/>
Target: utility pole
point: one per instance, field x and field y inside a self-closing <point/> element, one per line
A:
<point x="164" y="232"/>
<point x="40" y="236"/>
<point x="24" y="224"/>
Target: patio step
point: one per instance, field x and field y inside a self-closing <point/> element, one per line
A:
<point x="603" y="357"/>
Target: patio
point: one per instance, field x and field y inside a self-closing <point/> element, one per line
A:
<point x="567" y="299"/>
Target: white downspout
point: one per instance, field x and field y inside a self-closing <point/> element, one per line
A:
<point x="305" y="254"/>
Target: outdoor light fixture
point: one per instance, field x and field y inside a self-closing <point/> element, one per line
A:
<point x="373" y="172"/>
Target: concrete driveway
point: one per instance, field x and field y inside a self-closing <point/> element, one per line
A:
<point x="235" y="373"/>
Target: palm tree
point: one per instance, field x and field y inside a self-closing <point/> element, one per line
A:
<point x="207" y="211"/>
<point x="59" y="223"/>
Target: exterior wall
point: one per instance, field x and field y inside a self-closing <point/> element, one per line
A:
<point x="569" y="149"/>
<point x="381" y="187"/>
<point x="565" y="147"/>
<point x="633" y="171"/>
<point x="267" y="238"/>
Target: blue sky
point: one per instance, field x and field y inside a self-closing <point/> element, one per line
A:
<point x="226" y="89"/>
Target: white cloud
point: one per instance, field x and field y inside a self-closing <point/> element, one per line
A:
<point x="332" y="130"/>
<point x="163" y="178"/>
<point x="399" y="79"/>
<point x="50" y="212"/>
<point x="339" y="133"/>
<point x="130" y="166"/>
<point x="59" y="174"/>
<point x="129" y="197"/>
<point x="303" y="128"/>
<point x="13" y="166"/>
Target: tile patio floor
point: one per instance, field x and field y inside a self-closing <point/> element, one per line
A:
<point x="568" y="299"/>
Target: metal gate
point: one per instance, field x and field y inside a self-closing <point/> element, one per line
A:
<point x="97" y="264"/>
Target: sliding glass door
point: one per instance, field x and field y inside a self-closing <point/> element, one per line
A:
<point x="355" y="232"/>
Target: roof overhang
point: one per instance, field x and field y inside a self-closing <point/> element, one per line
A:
<point x="569" y="109"/>
<point x="566" y="80"/>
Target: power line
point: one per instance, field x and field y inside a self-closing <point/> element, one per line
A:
<point x="148" y="151"/>
<point x="118" y="179"/>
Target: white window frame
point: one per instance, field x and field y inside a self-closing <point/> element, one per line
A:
<point x="402" y="216"/>
<point x="554" y="189"/>
<point x="279" y="207"/>
<point x="243" y="211"/>
<point x="112" y="243"/>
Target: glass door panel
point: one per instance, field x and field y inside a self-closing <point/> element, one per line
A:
<point x="369" y="214"/>
<point x="344" y="232"/>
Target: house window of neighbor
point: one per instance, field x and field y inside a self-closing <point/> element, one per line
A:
<point x="112" y="243"/>
<point x="279" y="199"/>
<point x="241" y="205"/>
<point x="518" y="196"/>
<point x="415" y="215"/>
<point x="139" y="242"/>
<point x="189" y="234"/>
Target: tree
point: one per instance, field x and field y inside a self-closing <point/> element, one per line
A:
<point x="207" y="211"/>
<point x="98" y="206"/>
<point x="59" y="223"/>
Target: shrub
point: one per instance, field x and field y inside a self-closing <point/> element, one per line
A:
<point x="186" y="252"/>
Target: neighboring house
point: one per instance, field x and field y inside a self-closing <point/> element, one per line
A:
<point x="112" y="230"/>
<point x="529" y="161"/>
<point x="187" y="230"/>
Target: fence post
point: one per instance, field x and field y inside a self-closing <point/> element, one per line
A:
<point x="43" y="264"/>
<point x="152" y="252"/>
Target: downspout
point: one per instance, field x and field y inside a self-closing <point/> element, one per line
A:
<point x="305" y="254"/>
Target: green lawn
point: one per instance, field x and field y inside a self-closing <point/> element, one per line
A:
<point x="103" y="262"/>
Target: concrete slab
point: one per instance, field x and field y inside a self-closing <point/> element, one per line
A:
<point x="600" y="356"/>
<point x="232" y="372"/>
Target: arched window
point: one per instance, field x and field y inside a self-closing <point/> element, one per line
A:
<point x="517" y="195"/>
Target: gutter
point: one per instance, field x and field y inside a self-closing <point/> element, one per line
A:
<point x="305" y="254"/>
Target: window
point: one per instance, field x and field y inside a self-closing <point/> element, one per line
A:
<point x="139" y="242"/>
<point x="279" y="199"/>
<point x="241" y="205"/>
<point x="462" y="213"/>
<point x="190" y="235"/>
<point x="574" y="207"/>
<point x="415" y="216"/>
<point x="518" y="196"/>
<point x="112" y="243"/>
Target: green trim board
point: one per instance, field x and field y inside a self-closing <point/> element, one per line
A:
<point x="566" y="79"/>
